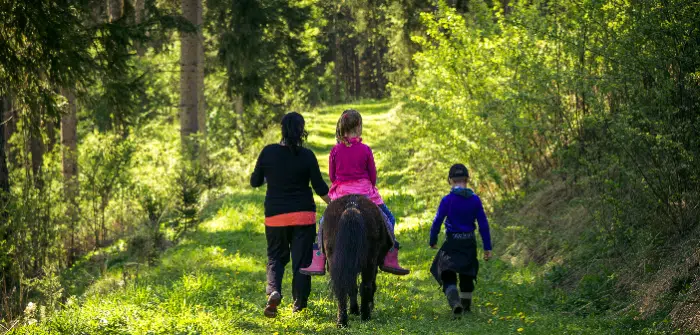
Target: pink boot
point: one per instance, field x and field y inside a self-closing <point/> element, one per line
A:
<point x="317" y="267"/>
<point x="391" y="263"/>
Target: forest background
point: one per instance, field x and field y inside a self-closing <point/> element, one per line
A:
<point x="580" y="121"/>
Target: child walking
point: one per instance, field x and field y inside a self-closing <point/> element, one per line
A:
<point x="352" y="171"/>
<point x="457" y="256"/>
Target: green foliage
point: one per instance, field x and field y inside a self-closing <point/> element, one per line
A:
<point x="587" y="109"/>
<point x="189" y="190"/>
<point x="213" y="281"/>
<point x="280" y="55"/>
<point x="264" y="46"/>
<point x="42" y="43"/>
<point x="594" y="97"/>
<point x="103" y="160"/>
<point x="233" y="126"/>
<point x="481" y="100"/>
<point x="55" y="46"/>
<point x="34" y="217"/>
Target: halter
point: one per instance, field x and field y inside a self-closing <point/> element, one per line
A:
<point x="352" y="203"/>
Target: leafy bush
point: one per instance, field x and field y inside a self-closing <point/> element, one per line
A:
<point x="593" y="96"/>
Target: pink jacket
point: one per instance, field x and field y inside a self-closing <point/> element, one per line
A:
<point x="354" y="162"/>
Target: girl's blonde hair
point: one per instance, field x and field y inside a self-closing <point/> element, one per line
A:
<point x="348" y="121"/>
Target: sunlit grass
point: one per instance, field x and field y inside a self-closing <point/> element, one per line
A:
<point x="213" y="281"/>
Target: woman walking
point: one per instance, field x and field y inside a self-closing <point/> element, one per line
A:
<point x="290" y="210"/>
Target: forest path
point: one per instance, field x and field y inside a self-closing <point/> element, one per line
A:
<point x="213" y="281"/>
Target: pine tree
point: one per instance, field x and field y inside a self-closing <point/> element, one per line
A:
<point x="191" y="79"/>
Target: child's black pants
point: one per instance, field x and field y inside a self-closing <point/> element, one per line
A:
<point x="466" y="283"/>
<point x="281" y="242"/>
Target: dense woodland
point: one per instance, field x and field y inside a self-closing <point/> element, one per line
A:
<point x="122" y="119"/>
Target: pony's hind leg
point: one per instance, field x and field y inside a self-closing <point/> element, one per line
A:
<point x="354" y="308"/>
<point x="342" y="311"/>
<point x="367" y="289"/>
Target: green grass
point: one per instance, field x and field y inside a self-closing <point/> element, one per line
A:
<point x="213" y="281"/>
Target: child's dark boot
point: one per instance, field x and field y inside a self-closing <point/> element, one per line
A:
<point x="452" y="295"/>
<point x="466" y="299"/>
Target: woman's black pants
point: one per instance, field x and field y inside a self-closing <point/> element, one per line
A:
<point x="281" y="242"/>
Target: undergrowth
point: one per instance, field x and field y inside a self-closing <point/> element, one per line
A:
<point x="212" y="281"/>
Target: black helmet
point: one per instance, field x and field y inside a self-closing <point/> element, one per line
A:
<point x="458" y="171"/>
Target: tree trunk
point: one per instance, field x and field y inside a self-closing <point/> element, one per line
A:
<point x="239" y="108"/>
<point x="201" y="106"/>
<point x="358" y="81"/>
<point x="103" y="209"/>
<point x="36" y="148"/>
<point x="116" y="9"/>
<point x="50" y="135"/>
<point x="4" y="171"/>
<point x="9" y="120"/>
<point x="139" y="13"/>
<point x="190" y="67"/>
<point x="507" y="7"/>
<point x="338" y="66"/>
<point x="98" y="10"/>
<point x="5" y="231"/>
<point x="69" y="149"/>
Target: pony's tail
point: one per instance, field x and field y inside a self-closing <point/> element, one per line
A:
<point x="349" y="252"/>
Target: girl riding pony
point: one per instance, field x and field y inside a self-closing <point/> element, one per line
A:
<point x="352" y="171"/>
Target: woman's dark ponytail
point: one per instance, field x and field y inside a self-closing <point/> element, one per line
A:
<point x="293" y="132"/>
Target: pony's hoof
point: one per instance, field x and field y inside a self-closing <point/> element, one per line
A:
<point x="355" y="310"/>
<point x="342" y="325"/>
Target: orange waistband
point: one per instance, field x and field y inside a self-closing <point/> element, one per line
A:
<point x="291" y="219"/>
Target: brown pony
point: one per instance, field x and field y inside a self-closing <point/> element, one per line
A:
<point x="355" y="242"/>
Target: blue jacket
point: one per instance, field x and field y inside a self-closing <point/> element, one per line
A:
<point x="462" y="209"/>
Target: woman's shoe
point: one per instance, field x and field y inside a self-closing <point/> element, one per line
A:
<point x="272" y="302"/>
<point x="298" y="306"/>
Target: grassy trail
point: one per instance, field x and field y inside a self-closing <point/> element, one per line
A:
<point x="213" y="282"/>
